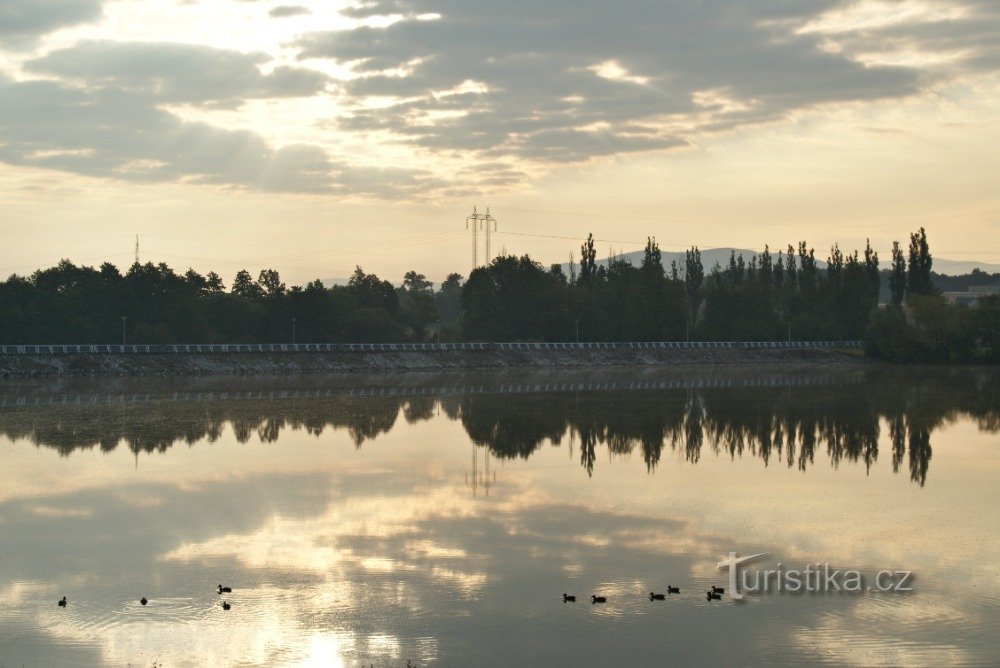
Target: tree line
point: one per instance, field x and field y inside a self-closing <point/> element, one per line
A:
<point x="767" y="422"/>
<point x="768" y="296"/>
<point x="151" y="303"/>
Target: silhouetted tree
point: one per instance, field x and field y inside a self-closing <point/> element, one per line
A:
<point x="588" y="261"/>
<point x="270" y="283"/>
<point x="897" y="279"/>
<point x="416" y="283"/>
<point x="244" y="286"/>
<point x="694" y="277"/>
<point x="918" y="277"/>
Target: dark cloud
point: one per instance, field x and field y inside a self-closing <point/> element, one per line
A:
<point x="284" y="11"/>
<point x="124" y="135"/>
<point x="21" y="21"/>
<point x="672" y="69"/>
<point x="177" y="72"/>
<point x="547" y="83"/>
<point x="105" y="117"/>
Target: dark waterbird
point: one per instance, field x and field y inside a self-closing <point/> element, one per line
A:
<point x="143" y="600"/>
<point x="718" y="590"/>
<point x="673" y="590"/>
<point x="711" y="595"/>
<point x="598" y="599"/>
<point x="62" y="602"/>
<point x="227" y="590"/>
<point x="569" y="599"/>
<point x="225" y="605"/>
<point x="657" y="597"/>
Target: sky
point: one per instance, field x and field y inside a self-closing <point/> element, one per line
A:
<point x="314" y="136"/>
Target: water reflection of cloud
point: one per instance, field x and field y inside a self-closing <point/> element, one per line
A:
<point x="432" y="550"/>
<point x="839" y="639"/>
<point x="384" y="550"/>
<point x="18" y="592"/>
<point x="438" y="546"/>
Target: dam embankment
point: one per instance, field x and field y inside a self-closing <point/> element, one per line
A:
<point x="430" y="358"/>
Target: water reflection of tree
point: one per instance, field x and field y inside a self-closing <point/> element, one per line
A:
<point x="788" y="423"/>
<point x="511" y="425"/>
<point x="771" y="422"/>
<point x="156" y="426"/>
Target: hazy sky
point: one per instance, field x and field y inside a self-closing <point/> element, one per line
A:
<point x="316" y="135"/>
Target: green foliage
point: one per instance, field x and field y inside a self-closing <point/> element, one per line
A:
<point x="371" y="292"/>
<point x="588" y="261"/>
<point x="419" y="312"/>
<point x="270" y="283"/>
<point x="415" y="283"/>
<point x="889" y="336"/>
<point x="449" y="306"/>
<point x="244" y="286"/>
<point x="694" y="278"/>
<point x="986" y="323"/>
<point x="515" y="299"/>
<point x="897" y="279"/>
<point x="928" y="329"/>
<point x="71" y="304"/>
<point x="918" y="274"/>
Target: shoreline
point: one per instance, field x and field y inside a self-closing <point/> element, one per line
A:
<point x="382" y="362"/>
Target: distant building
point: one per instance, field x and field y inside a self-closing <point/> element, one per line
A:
<point x="972" y="295"/>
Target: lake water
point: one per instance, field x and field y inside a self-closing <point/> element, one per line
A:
<point x="439" y="519"/>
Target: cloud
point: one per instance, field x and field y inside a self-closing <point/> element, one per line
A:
<point x="177" y="73"/>
<point x="518" y="85"/>
<point x="103" y="111"/>
<point x="568" y="81"/>
<point x="21" y="21"/>
<point x="124" y="135"/>
<point x="945" y="37"/>
<point x="365" y="10"/>
<point x="284" y="11"/>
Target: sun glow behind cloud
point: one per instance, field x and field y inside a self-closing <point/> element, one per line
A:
<point x="876" y="14"/>
<point x="613" y="71"/>
<point x="436" y="103"/>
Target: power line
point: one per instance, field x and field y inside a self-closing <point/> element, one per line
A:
<point x="312" y="255"/>
<point x="61" y="243"/>
<point x="615" y="216"/>
<point x="554" y="236"/>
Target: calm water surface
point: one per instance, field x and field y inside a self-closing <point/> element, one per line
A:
<point x="439" y="519"/>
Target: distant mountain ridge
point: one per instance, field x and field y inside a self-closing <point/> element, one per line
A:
<point x="711" y="256"/>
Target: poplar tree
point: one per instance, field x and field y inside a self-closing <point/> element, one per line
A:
<point x="694" y="276"/>
<point x="897" y="277"/>
<point x="918" y="276"/>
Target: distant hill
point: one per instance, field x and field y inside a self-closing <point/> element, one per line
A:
<point x="711" y="256"/>
<point x="960" y="267"/>
<point x="330" y="282"/>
